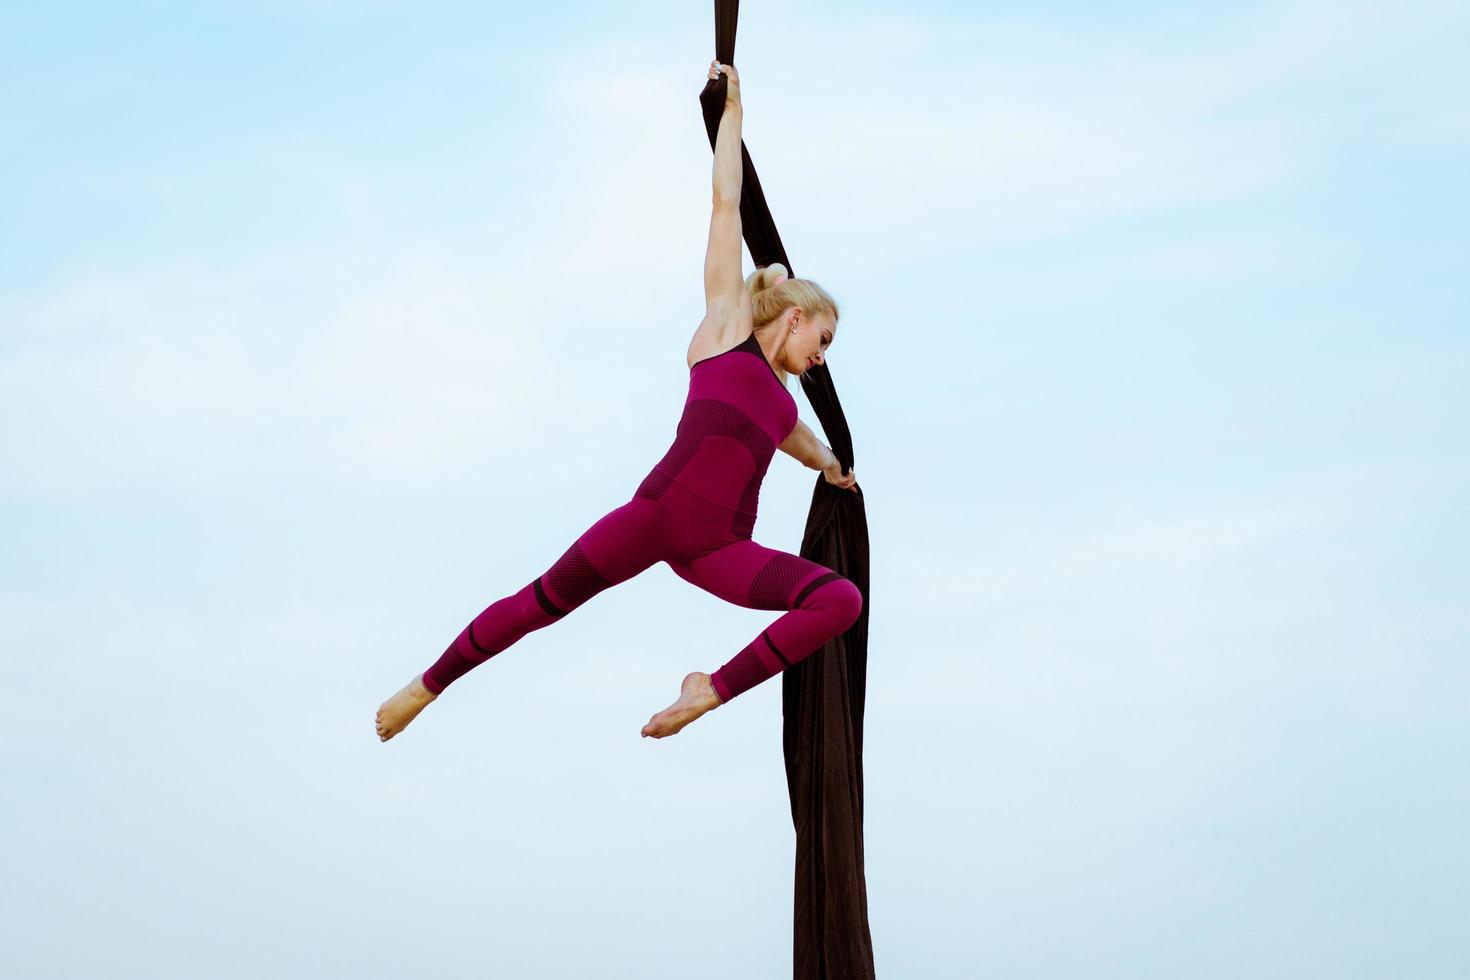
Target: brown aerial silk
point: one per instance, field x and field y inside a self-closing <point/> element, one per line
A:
<point x="821" y="696"/>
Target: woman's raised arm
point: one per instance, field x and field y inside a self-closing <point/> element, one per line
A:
<point x="727" y="139"/>
<point x="724" y="286"/>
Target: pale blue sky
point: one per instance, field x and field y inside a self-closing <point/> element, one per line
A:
<point x="324" y="325"/>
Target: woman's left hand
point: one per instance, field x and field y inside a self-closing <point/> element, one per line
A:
<point x="833" y="475"/>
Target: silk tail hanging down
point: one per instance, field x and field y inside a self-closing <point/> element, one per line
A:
<point x="822" y="696"/>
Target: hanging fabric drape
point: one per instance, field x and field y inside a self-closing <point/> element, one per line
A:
<point x="822" y="696"/>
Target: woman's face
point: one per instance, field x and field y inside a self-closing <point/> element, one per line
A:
<point x="807" y="347"/>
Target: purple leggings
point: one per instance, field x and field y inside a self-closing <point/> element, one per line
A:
<point x="703" y="543"/>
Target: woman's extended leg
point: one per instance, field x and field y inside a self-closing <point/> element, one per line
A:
<point x="821" y="604"/>
<point x="618" y="546"/>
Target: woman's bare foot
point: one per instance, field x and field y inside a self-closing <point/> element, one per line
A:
<point x="696" y="696"/>
<point x="402" y="708"/>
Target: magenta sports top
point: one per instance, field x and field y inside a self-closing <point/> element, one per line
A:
<point x="737" y="413"/>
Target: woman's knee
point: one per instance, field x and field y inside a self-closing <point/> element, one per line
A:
<point x="852" y="602"/>
<point x="842" y="598"/>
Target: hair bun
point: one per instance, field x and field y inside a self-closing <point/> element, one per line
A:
<point x="775" y="275"/>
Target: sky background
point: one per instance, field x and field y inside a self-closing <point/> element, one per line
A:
<point x="323" y="325"/>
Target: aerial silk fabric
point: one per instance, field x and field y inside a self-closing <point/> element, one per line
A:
<point x="822" y="696"/>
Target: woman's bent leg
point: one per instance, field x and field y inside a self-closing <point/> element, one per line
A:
<point x="621" y="544"/>
<point x="821" y="604"/>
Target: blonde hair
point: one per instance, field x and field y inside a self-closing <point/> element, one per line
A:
<point x="771" y="291"/>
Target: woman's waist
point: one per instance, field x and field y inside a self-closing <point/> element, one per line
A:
<point x="714" y="490"/>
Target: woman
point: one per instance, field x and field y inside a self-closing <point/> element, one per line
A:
<point x="696" y="508"/>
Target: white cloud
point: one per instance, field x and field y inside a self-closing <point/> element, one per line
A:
<point x="195" y="375"/>
<point x="1053" y="564"/>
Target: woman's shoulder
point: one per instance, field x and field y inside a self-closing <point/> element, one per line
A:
<point x="717" y="334"/>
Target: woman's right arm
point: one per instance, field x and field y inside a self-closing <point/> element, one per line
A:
<point x="727" y="139"/>
<point x="724" y="286"/>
